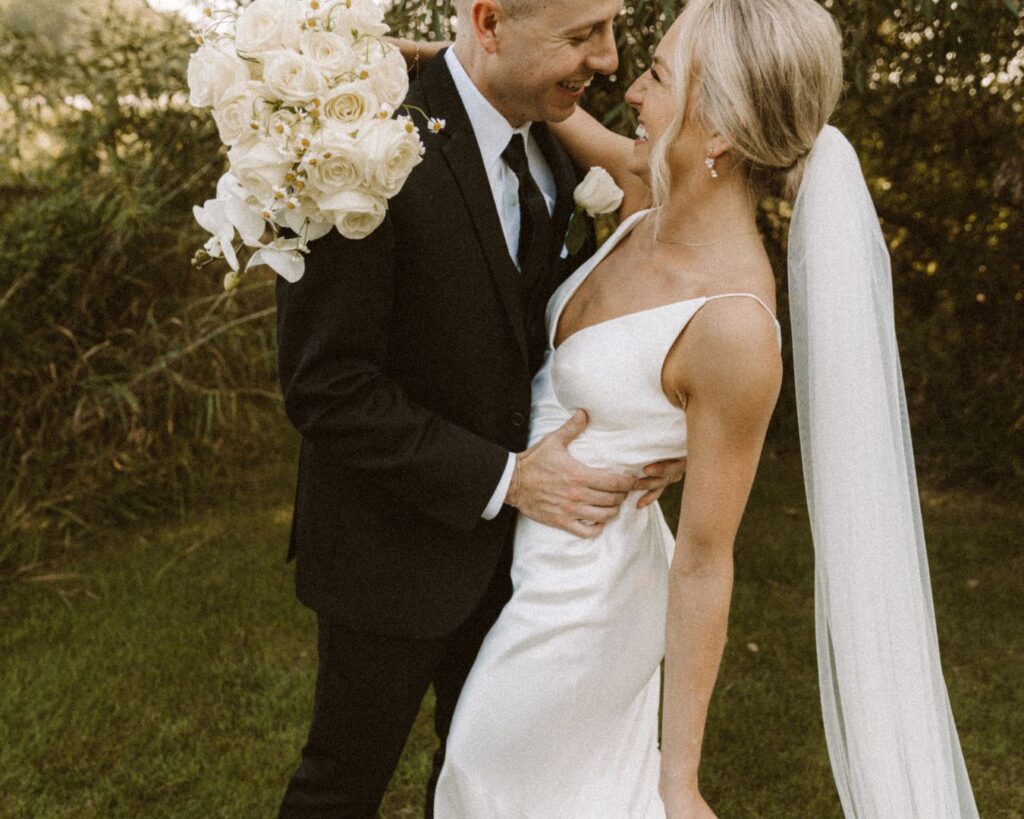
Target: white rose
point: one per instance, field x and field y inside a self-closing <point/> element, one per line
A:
<point x="388" y="76"/>
<point x="392" y="149"/>
<point x="292" y="78"/>
<point x="211" y="72"/>
<point x="332" y="54"/>
<point x="260" y="167"/>
<point x="351" y="105"/>
<point x="239" y="109"/>
<point x="336" y="164"/>
<point x="356" y="214"/>
<point x="598" y="193"/>
<point x="269" y="25"/>
<point x="355" y="18"/>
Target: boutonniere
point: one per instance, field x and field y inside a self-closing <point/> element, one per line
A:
<point x="595" y="196"/>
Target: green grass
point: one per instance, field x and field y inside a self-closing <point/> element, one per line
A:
<point x="169" y="672"/>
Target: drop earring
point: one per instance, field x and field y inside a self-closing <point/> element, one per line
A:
<point x="710" y="163"/>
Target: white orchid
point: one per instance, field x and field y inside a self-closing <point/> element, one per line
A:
<point x="213" y="217"/>
<point x="283" y="256"/>
<point x="241" y="209"/>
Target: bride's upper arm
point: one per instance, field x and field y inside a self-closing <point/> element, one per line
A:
<point x="729" y="369"/>
<point x="591" y="145"/>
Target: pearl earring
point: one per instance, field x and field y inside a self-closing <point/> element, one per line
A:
<point x="710" y="163"/>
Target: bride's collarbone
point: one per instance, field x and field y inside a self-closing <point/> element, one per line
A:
<point x="639" y="275"/>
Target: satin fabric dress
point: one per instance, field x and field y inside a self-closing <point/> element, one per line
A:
<point x="559" y="716"/>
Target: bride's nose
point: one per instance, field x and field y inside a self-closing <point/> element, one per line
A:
<point x="634" y="94"/>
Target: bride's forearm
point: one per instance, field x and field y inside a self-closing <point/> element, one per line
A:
<point x="698" y="616"/>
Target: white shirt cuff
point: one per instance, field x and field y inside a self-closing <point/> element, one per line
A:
<point x="498" y="498"/>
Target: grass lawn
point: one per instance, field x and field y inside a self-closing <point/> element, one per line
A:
<point x="169" y="672"/>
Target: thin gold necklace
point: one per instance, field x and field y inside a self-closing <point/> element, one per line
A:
<point x="705" y="244"/>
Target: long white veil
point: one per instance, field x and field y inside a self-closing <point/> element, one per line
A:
<point x="891" y="736"/>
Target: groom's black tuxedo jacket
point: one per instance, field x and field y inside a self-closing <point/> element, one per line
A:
<point x="406" y="360"/>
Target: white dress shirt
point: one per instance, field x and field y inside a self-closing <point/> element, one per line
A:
<point x="493" y="134"/>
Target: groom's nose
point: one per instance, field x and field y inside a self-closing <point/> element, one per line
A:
<point x="604" y="58"/>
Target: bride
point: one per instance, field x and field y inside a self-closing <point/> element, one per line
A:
<point x="668" y="339"/>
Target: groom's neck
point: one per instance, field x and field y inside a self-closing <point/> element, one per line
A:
<point x="475" y="60"/>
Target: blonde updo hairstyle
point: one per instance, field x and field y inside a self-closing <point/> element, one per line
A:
<point x="768" y="74"/>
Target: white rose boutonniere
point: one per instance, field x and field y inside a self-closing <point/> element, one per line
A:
<point x="595" y="196"/>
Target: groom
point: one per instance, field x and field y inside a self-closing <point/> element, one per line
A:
<point x="406" y="360"/>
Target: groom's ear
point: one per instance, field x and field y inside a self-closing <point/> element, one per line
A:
<point x="485" y="16"/>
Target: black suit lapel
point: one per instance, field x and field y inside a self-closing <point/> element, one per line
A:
<point x="462" y="153"/>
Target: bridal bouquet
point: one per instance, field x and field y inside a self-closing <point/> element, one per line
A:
<point x="303" y="93"/>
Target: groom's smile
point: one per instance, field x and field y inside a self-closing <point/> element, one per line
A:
<point x="575" y="88"/>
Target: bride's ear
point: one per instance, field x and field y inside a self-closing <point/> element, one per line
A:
<point x="717" y="146"/>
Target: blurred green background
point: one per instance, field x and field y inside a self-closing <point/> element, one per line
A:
<point x="137" y="399"/>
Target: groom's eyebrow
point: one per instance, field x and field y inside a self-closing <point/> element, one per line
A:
<point x="591" y="24"/>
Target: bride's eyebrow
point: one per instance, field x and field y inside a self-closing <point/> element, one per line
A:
<point x="661" y="65"/>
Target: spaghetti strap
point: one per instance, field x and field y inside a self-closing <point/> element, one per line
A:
<point x="758" y="299"/>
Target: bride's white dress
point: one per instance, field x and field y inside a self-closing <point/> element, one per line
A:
<point x="559" y="716"/>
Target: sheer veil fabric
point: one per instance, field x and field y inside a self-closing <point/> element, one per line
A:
<point x="891" y="736"/>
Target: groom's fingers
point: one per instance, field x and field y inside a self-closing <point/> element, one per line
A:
<point x="584" y="528"/>
<point x="595" y="497"/>
<point x="604" y="481"/>
<point x="594" y="514"/>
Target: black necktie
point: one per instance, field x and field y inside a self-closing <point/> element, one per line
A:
<point x="535" y="221"/>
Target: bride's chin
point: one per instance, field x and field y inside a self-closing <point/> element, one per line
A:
<point x="640" y="165"/>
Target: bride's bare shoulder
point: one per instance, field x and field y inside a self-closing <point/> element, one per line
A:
<point x="728" y="354"/>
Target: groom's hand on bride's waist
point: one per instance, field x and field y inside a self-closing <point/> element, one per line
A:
<point x="553" y="488"/>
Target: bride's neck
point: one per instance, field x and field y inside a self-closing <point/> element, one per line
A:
<point x="708" y="210"/>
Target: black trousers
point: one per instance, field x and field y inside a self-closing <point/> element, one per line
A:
<point x="368" y="693"/>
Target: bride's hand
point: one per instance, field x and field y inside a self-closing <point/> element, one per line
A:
<point x="657" y="478"/>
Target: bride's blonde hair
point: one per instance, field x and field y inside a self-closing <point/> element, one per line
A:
<point x="767" y="75"/>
